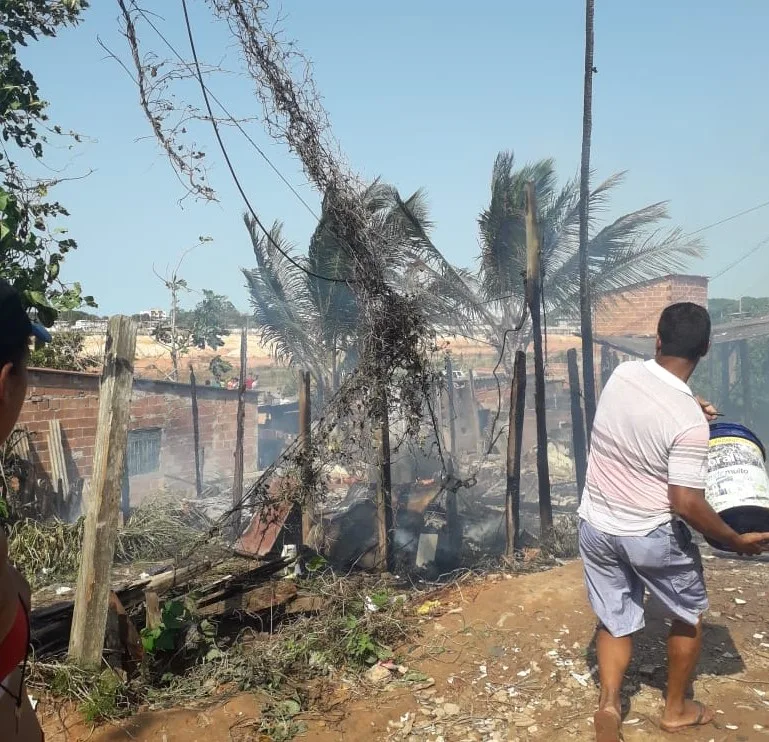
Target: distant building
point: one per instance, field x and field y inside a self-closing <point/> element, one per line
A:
<point x="635" y="310"/>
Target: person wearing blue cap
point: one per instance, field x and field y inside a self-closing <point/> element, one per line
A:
<point x="18" y="722"/>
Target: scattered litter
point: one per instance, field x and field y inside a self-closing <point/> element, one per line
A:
<point x="63" y="590"/>
<point x="581" y="679"/>
<point x="757" y="728"/>
<point x="632" y="721"/>
<point x="740" y="601"/>
<point x="378" y="674"/>
<point x="33" y="702"/>
<point x="731" y="727"/>
<point x="483" y="670"/>
<point x="524" y="673"/>
<point x="428" y="607"/>
<point x="758" y="636"/>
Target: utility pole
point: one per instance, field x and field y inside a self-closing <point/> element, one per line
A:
<point x="196" y="433"/>
<point x="237" y="480"/>
<point x="534" y="297"/>
<point x="585" y="303"/>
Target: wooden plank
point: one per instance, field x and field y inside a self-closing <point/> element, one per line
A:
<point x="237" y="479"/>
<point x="264" y="598"/>
<point x="152" y="607"/>
<point x="20" y="447"/>
<point x="579" y="443"/>
<point x="98" y="548"/>
<point x="534" y="297"/>
<point x="58" y="459"/>
<point x="514" y="444"/>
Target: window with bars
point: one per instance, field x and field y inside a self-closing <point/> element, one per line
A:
<point x="143" y="451"/>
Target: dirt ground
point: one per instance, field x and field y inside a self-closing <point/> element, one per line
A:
<point x="510" y="658"/>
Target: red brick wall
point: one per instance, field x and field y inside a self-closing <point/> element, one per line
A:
<point x="73" y="399"/>
<point x="636" y="310"/>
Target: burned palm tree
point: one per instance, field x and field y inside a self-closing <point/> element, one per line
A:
<point x="628" y="250"/>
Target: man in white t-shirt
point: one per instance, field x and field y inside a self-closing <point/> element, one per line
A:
<point x="645" y="477"/>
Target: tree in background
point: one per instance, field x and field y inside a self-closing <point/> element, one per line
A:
<point x="32" y="248"/>
<point x="65" y="352"/>
<point x="630" y="249"/>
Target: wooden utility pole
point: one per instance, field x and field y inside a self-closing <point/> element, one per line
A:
<point x="452" y="412"/>
<point x="578" y="441"/>
<point x="514" y="441"/>
<point x="475" y="423"/>
<point x="384" y="503"/>
<point x="585" y="303"/>
<point x="196" y="433"/>
<point x="89" y="620"/>
<point x="237" y="479"/>
<point x="533" y="295"/>
<point x="305" y="438"/>
<point x="747" y="396"/>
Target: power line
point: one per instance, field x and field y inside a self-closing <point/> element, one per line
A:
<point x="743" y="257"/>
<point x="231" y="168"/>
<point x="728" y="219"/>
<point x="226" y="112"/>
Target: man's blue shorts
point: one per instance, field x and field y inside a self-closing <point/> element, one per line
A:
<point x="620" y="569"/>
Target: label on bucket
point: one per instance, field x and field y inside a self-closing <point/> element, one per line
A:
<point x="736" y="475"/>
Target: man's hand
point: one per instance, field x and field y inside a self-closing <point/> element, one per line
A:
<point x="708" y="408"/>
<point x="751" y="543"/>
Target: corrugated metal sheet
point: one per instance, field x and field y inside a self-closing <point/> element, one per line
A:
<point x="263" y="531"/>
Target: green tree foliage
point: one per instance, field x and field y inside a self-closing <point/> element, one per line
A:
<point x="32" y="248"/>
<point x="204" y="327"/>
<point x="65" y="352"/>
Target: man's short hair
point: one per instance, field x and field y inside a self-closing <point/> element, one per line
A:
<point x="684" y="331"/>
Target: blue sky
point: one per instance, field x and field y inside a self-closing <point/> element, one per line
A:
<point x="425" y="94"/>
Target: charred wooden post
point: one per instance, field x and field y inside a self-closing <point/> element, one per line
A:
<point x="384" y="504"/>
<point x="475" y="423"/>
<point x="305" y="437"/>
<point x="89" y="621"/>
<point x="514" y="441"/>
<point x="452" y="412"/>
<point x="606" y="367"/>
<point x="196" y="433"/>
<point x="237" y="479"/>
<point x="125" y="495"/>
<point x="577" y="422"/>
<point x="534" y="298"/>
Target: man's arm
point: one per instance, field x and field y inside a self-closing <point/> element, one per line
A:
<point x="691" y="505"/>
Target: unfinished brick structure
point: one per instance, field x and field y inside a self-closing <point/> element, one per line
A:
<point x="160" y="445"/>
<point x="635" y="310"/>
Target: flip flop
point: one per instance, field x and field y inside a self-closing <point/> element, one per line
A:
<point x="698" y="722"/>
<point x="608" y="726"/>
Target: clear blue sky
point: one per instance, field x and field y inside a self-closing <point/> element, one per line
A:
<point x="425" y="94"/>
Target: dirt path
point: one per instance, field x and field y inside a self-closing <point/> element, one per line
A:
<point x="506" y="661"/>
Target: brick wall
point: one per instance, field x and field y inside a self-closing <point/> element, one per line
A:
<point x="636" y="310"/>
<point x="73" y="399"/>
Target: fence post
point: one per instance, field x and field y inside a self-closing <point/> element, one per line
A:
<point x="89" y="621"/>
<point x="475" y="423"/>
<point x="514" y="441"/>
<point x="577" y="423"/>
<point x="196" y="433"/>
<point x="384" y="505"/>
<point x="237" y="480"/>
<point x="305" y="436"/>
<point x="534" y="296"/>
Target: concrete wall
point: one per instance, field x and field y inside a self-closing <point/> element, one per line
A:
<point x="636" y="310"/>
<point x="73" y="399"/>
